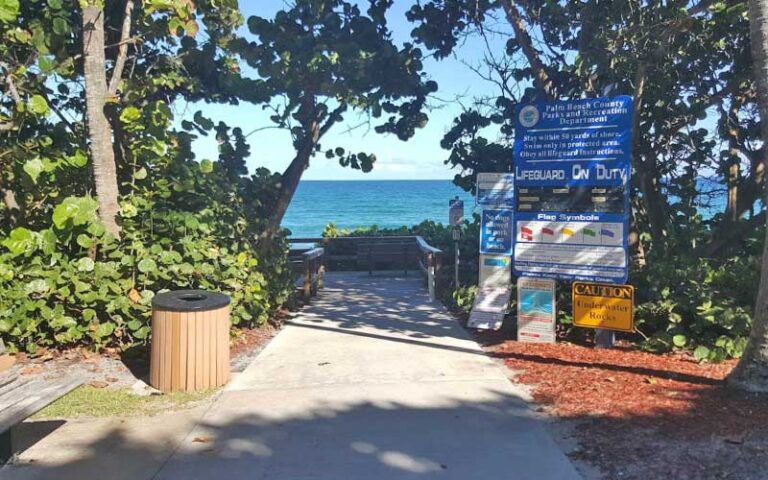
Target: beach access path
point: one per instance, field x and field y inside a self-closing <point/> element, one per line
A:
<point x="370" y="381"/>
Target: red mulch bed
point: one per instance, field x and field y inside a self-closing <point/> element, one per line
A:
<point x="641" y="415"/>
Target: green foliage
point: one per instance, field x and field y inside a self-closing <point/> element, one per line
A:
<point x="316" y="61"/>
<point x="463" y="297"/>
<point x="697" y="304"/>
<point x="76" y="284"/>
<point x="185" y="223"/>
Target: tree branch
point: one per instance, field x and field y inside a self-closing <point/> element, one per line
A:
<point x="122" y="54"/>
<point x="725" y="237"/>
<point x="332" y="119"/>
<point x="541" y="78"/>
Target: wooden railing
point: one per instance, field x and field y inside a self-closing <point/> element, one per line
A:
<point x="370" y="253"/>
<point x="311" y="265"/>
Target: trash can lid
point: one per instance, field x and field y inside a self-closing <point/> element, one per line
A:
<point x="189" y="301"/>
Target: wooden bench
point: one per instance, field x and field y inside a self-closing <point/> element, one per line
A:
<point x="22" y="397"/>
<point x="375" y="254"/>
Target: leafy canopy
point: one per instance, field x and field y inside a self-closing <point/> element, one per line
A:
<point x="318" y="60"/>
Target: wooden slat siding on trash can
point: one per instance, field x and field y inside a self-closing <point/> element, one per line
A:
<point x="190" y="349"/>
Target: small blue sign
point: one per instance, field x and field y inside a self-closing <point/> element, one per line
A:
<point x="496" y="232"/>
<point x="572" y="181"/>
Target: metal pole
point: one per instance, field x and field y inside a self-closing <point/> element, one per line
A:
<point x="456" y="235"/>
<point x="604" y="338"/>
<point x="431" y="276"/>
<point x="456" y="264"/>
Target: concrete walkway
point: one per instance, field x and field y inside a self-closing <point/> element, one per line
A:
<point x="371" y="381"/>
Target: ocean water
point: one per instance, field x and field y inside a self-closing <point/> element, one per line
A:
<point x="362" y="203"/>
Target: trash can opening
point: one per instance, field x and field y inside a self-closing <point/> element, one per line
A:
<point x="189" y="301"/>
<point x="192" y="297"/>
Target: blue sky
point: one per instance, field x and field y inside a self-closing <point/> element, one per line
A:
<point x="419" y="158"/>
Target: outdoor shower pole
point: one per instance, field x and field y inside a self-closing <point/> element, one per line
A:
<point x="456" y="234"/>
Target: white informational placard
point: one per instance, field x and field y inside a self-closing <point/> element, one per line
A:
<point x="496" y="190"/>
<point x="489" y="308"/>
<point x="455" y="212"/>
<point x="571" y="249"/>
<point x="495" y="271"/>
<point x="536" y="309"/>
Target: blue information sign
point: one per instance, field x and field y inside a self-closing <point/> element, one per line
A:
<point x="572" y="180"/>
<point x="496" y="231"/>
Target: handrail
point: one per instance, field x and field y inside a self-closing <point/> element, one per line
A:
<point x="431" y="266"/>
<point x="425" y="247"/>
<point x="314" y="270"/>
<point x="314" y="253"/>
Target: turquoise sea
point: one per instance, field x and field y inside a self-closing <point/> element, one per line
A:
<point x="362" y="203"/>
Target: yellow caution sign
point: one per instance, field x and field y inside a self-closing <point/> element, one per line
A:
<point x="597" y="305"/>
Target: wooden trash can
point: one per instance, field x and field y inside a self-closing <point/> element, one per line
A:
<point x="190" y="341"/>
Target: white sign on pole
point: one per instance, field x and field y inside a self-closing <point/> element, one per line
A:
<point x="489" y="308"/>
<point x="496" y="190"/>
<point x="495" y="271"/>
<point x="455" y="212"/>
<point x="536" y="310"/>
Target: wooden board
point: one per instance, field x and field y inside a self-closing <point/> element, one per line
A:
<point x="24" y="397"/>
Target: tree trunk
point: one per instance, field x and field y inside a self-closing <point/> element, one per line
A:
<point x="288" y="184"/>
<point x="99" y="132"/>
<point x="291" y="178"/>
<point x="645" y="167"/>
<point x="751" y="373"/>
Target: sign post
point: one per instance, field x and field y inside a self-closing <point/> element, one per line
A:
<point x="455" y="212"/>
<point x="455" y="218"/>
<point x="572" y="180"/>
<point x="495" y="195"/>
<point x="456" y="236"/>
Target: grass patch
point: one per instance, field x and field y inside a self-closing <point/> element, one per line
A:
<point x="88" y="401"/>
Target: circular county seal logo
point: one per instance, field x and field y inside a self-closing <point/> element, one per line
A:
<point x="529" y="116"/>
